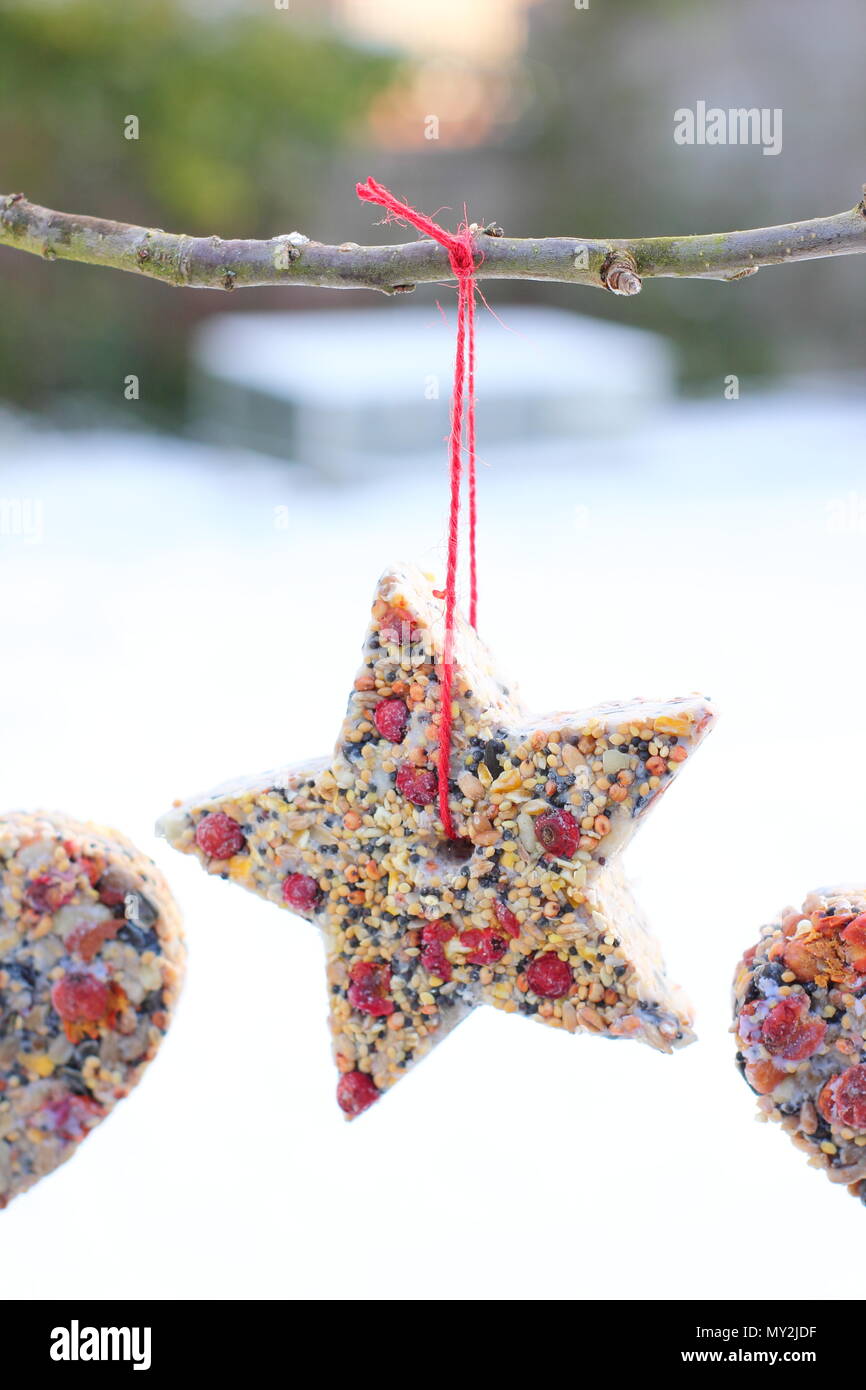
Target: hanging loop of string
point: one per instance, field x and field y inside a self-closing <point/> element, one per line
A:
<point x="461" y="258"/>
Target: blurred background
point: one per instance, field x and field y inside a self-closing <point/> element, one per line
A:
<point x="185" y="581"/>
<point x="551" y="120"/>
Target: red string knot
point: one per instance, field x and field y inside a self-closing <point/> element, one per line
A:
<point x="461" y="255"/>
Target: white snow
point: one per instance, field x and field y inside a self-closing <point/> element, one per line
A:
<point x="188" y="615"/>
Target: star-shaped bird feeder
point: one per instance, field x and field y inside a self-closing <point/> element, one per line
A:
<point x="526" y="909"/>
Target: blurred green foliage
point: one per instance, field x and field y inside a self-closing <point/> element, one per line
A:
<point x="239" y="112"/>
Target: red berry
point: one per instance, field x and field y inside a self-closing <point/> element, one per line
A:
<point x="485" y="947"/>
<point x="68" y="1116"/>
<point x="49" y="892"/>
<point x="368" y="991"/>
<point x="788" y="1032"/>
<point x="435" y="961"/>
<point x="810" y="1039"/>
<point x="91" y="867"/>
<point x="395" y="628"/>
<point x="829" y="925"/>
<point x="417" y="784"/>
<point x="506" y="918"/>
<point x="558" y="832"/>
<point x="391" y="718"/>
<point x="301" y="892"/>
<point x="763" y="1077"/>
<point x="548" y="976"/>
<point x="219" y="836"/>
<point x="356" y="1092"/>
<point x="433" y="957"/>
<point x="843" y="1100"/>
<point x="85" y="941"/>
<point x="440" y="930"/>
<point x="81" y="998"/>
<point x="854" y="937"/>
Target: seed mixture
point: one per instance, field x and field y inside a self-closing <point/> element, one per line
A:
<point x="524" y="910"/>
<point x="800" y="1023"/>
<point x="90" y="966"/>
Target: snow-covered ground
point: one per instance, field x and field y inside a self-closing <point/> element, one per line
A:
<point x="172" y="615"/>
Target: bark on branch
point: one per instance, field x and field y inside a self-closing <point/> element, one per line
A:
<point x="619" y="265"/>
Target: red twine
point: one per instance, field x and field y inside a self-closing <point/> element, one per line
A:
<point x="460" y="255"/>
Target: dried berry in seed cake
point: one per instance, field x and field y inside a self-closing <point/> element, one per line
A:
<point x="800" y="1022"/>
<point x="90" y="966"/>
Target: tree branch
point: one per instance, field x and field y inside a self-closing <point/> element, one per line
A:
<point x="617" y="265"/>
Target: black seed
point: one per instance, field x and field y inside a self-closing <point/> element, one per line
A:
<point x="456" y="851"/>
<point x="71" y="1078"/>
<point x="88" y="1048"/>
<point x="137" y="937"/>
<point x="771" y="970"/>
<point x="492" y="750"/>
<point x="23" y="973"/>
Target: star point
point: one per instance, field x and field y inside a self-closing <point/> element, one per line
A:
<point x="526" y="910"/>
